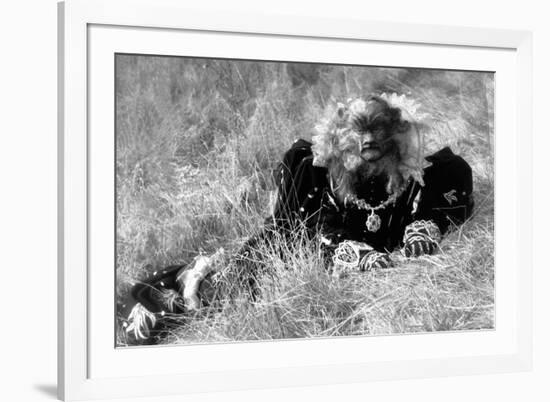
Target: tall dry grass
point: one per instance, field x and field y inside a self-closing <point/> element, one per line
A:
<point x="197" y="141"/>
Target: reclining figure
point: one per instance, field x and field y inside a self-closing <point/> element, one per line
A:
<point x="362" y="187"/>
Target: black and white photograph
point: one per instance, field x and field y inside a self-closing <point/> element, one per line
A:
<point x="266" y="200"/>
<point x="275" y="201"/>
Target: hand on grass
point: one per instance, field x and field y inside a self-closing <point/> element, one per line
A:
<point x="415" y="246"/>
<point x="357" y="256"/>
<point x="421" y="237"/>
<point x="375" y="260"/>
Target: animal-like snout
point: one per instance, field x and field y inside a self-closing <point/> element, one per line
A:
<point x="368" y="140"/>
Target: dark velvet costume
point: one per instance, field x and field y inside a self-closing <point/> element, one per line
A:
<point x="305" y="197"/>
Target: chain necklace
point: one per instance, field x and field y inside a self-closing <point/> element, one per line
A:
<point x="374" y="221"/>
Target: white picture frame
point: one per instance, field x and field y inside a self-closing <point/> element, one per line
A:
<point x="91" y="368"/>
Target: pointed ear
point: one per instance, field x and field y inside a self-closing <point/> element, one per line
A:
<point x="395" y="114"/>
<point x="399" y="123"/>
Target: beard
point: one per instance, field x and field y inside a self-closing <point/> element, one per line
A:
<point x="383" y="168"/>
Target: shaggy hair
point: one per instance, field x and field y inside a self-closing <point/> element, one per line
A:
<point x="337" y="143"/>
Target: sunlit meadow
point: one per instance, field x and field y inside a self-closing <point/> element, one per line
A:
<point x="197" y="141"/>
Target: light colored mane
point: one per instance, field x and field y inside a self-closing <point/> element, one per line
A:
<point x="337" y="147"/>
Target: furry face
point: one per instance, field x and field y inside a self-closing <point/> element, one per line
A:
<point x="376" y="123"/>
<point x="366" y="137"/>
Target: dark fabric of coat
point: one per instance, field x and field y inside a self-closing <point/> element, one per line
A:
<point x="305" y="196"/>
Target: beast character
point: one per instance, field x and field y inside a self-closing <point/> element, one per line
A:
<point x="362" y="186"/>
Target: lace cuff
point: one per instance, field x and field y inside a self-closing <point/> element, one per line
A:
<point x="427" y="230"/>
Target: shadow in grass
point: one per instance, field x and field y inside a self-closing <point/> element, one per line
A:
<point x="47" y="389"/>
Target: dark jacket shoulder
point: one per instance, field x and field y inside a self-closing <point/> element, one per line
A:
<point x="446" y="196"/>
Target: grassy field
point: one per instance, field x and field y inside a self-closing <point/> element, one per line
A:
<point x="197" y="141"/>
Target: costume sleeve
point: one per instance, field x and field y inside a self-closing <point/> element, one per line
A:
<point x="446" y="198"/>
<point x="304" y="199"/>
<point x="299" y="189"/>
<point x="150" y="291"/>
<point x="331" y="221"/>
